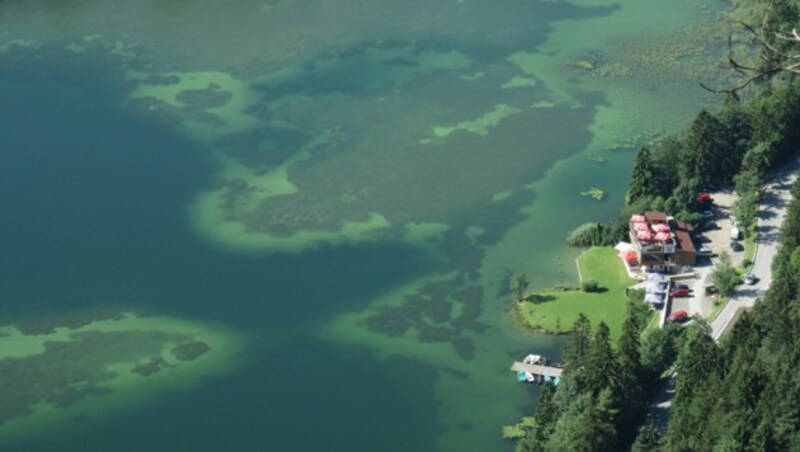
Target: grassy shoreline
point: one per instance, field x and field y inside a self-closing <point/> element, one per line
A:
<point x="553" y="311"/>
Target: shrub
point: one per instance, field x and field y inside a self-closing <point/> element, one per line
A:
<point x="590" y="286"/>
<point x="588" y="234"/>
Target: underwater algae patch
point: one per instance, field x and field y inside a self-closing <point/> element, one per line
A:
<point x="358" y="143"/>
<point x="52" y="375"/>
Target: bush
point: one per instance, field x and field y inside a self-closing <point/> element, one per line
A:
<point x="746" y="263"/>
<point x="590" y="286"/>
<point x="588" y="234"/>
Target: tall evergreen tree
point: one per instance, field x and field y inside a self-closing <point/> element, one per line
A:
<point x="641" y="177"/>
<point x="629" y="341"/>
<point x="633" y="403"/>
<point x="601" y="370"/>
<point x="578" y="343"/>
<point x="704" y="148"/>
<point x="790" y="231"/>
<point x="736" y="134"/>
<point x="695" y="391"/>
<point x="648" y="440"/>
<point x="547" y="414"/>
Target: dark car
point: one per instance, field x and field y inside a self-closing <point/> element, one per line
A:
<point x="679" y="292"/>
<point x="736" y="246"/>
<point x="681" y="286"/>
<point x="710" y="226"/>
<point x="678" y="317"/>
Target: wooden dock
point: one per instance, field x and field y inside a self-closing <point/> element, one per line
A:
<point x="536" y="369"/>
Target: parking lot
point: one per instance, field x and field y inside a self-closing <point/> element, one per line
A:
<point x="716" y="239"/>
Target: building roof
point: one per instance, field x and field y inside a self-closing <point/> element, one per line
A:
<point x="655" y="217"/>
<point x="683" y="226"/>
<point x="685" y="241"/>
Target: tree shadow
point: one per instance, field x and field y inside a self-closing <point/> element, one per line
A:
<point x="538" y="298"/>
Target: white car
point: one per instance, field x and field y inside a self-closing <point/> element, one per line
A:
<point x="750" y="279"/>
<point x="705" y="252"/>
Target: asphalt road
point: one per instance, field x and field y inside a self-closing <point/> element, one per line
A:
<point x="772" y="210"/>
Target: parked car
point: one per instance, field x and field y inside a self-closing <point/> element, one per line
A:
<point x="704" y="198"/>
<point x="750" y="279"/>
<point x="708" y="214"/>
<point x="682" y="286"/>
<point x="736" y="246"/>
<point x="678" y="317"/>
<point x="679" y="293"/>
<point x="736" y="234"/>
<point x="705" y="252"/>
<point x="710" y="226"/>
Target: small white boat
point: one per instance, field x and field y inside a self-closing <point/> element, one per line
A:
<point x="533" y="359"/>
<point x="530" y="377"/>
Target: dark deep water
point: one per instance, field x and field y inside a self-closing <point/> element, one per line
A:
<point x="90" y="213"/>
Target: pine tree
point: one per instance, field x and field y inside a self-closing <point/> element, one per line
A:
<point x="633" y="402"/>
<point x="704" y="147"/>
<point x="695" y="390"/>
<point x="648" y="440"/>
<point x="601" y="370"/>
<point x="546" y="416"/>
<point x="642" y="177"/>
<point x="578" y="344"/>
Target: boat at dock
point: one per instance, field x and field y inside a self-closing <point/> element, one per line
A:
<point x="534" y="369"/>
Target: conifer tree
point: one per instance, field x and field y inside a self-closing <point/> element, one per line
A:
<point x="648" y="440"/>
<point x="641" y="177"/>
<point x="704" y="147"/>
<point x="602" y="369"/>
<point x="578" y="344"/>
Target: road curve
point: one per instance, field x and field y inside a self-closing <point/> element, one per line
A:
<point x="772" y="210"/>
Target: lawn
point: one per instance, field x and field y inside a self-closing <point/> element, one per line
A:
<point x="749" y="249"/>
<point x="555" y="311"/>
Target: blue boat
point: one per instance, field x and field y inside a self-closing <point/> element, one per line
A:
<point x="547" y="378"/>
<point x="521" y="376"/>
<point x="556" y="381"/>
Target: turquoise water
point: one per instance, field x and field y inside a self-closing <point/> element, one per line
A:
<point x="347" y="184"/>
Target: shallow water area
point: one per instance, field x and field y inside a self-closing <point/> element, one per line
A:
<point x="347" y="185"/>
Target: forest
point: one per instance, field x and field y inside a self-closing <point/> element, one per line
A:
<point x="742" y="393"/>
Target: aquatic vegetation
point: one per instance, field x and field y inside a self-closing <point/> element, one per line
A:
<point x="594" y="193"/>
<point x="57" y="368"/>
<point x="481" y="125"/>
<point x="430" y="333"/>
<point x="464" y="347"/>
<point x="190" y="350"/>
<point x="147" y="368"/>
<point x="390" y="322"/>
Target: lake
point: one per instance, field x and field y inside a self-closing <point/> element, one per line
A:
<point x="290" y="224"/>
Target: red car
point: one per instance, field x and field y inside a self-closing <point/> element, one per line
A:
<point x="704" y="197"/>
<point x="679" y="292"/>
<point x="678" y="316"/>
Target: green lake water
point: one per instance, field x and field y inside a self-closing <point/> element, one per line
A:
<point x="345" y="186"/>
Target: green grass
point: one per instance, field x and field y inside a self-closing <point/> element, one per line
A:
<point x="719" y="303"/>
<point x="749" y="248"/>
<point x="554" y="312"/>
